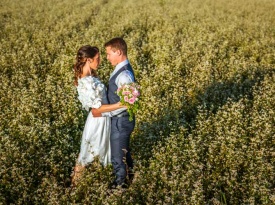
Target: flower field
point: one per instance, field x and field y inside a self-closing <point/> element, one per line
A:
<point x="205" y="130"/>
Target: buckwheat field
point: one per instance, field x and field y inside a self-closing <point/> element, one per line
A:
<point x="205" y="132"/>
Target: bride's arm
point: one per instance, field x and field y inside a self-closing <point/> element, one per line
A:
<point x="110" y="107"/>
<point x="106" y="108"/>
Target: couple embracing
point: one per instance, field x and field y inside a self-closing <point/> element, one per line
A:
<point x="107" y="129"/>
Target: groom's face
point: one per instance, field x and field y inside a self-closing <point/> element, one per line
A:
<point x="112" y="56"/>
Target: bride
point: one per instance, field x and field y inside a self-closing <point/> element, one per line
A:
<point x="91" y="93"/>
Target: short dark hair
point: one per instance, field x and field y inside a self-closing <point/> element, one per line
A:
<point x="117" y="44"/>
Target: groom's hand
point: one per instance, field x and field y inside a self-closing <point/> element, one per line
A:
<point x="96" y="113"/>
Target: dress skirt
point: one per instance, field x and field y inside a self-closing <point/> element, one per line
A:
<point x="95" y="141"/>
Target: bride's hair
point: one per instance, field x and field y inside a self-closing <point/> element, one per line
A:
<point x="83" y="54"/>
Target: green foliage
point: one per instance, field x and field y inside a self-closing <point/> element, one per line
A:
<point x="205" y="128"/>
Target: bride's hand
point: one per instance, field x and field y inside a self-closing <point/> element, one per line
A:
<point x="121" y="106"/>
<point x="96" y="113"/>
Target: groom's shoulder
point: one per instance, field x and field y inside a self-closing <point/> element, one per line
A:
<point x="126" y="75"/>
<point x="125" y="72"/>
<point x="127" y="66"/>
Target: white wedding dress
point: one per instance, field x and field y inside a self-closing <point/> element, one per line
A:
<point x="96" y="134"/>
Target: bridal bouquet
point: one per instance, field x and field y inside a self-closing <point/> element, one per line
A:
<point x="129" y="94"/>
<point x="90" y="92"/>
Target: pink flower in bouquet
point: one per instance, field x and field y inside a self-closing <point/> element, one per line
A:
<point x="129" y="94"/>
<point x="132" y="100"/>
<point x="126" y="92"/>
<point x="135" y="93"/>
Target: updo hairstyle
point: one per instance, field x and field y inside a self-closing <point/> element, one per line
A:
<point x="82" y="56"/>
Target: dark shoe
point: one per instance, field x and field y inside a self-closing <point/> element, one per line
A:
<point x="113" y="185"/>
<point x="123" y="186"/>
<point x="131" y="175"/>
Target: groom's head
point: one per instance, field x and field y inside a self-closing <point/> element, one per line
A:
<point x="116" y="50"/>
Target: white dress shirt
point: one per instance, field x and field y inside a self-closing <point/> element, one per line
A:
<point x="124" y="77"/>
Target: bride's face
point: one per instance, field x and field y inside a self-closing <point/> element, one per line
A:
<point x="94" y="62"/>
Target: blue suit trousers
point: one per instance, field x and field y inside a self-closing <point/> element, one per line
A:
<point x="121" y="129"/>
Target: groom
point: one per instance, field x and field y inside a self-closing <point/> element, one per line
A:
<point x="121" y="127"/>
